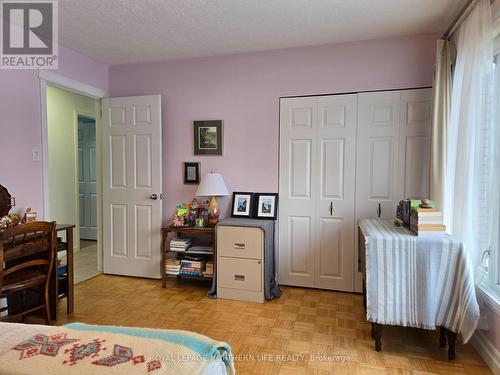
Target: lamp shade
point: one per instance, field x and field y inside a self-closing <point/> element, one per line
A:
<point x="212" y="185"/>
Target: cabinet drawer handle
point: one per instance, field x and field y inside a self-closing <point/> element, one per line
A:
<point x="239" y="246"/>
<point x="239" y="277"/>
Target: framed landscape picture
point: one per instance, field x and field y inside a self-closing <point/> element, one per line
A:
<point x="191" y="173"/>
<point x="208" y="137"/>
<point x="266" y="206"/>
<point x="242" y="204"/>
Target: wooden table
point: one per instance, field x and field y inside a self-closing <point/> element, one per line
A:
<point x="56" y="283"/>
<point x="407" y="282"/>
<point x="193" y="231"/>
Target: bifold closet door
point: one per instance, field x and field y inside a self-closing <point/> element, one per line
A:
<point x="317" y="176"/>
<point x="393" y="152"/>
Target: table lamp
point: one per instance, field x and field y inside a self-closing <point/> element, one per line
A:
<point x="212" y="185"/>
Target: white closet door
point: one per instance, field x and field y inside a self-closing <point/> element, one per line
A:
<point x="377" y="167"/>
<point x="415" y="141"/>
<point x="317" y="175"/>
<point x="377" y="181"/>
<point x="392" y="153"/>
<point x="298" y="185"/>
<point x="336" y="137"/>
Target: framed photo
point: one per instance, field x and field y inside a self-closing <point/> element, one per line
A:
<point x="242" y="204"/>
<point x="266" y="206"/>
<point x="208" y="137"/>
<point x="191" y="173"/>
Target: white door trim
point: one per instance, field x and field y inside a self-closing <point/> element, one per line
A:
<point x="53" y="79"/>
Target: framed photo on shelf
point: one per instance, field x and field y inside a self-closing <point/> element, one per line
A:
<point x="208" y="137"/>
<point x="242" y="204"/>
<point x="266" y="206"/>
<point x="191" y="173"/>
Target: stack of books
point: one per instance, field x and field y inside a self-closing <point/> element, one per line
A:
<point x="209" y="269"/>
<point x="197" y="249"/>
<point x="426" y="221"/>
<point x="192" y="267"/>
<point x="180" y="244"/>
<point x="173" y="266"/>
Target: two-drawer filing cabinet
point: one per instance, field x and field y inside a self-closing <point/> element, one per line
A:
<point x="240" y="263"/>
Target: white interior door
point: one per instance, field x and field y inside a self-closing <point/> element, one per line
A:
<point x="336" y="137"/>
<point x="132" y="176"/>
<point x="297" y="191"/>
<point x="317" y="175"/>
<point x="87" y="178"/>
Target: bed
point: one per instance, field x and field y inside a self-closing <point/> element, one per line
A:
<point x="81" y="349"/>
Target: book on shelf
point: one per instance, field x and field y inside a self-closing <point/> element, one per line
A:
<point x="180" y="244"/>
<point x="197" y="249"/>
<point x="192" y="263"/>
<point x="194" y="257"/>
<point x="209" y="269"/>
<point x="184" y="272"/>
<point x="179" y="249"/>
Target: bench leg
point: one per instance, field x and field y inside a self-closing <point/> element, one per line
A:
<point x="452" y="338"/>
<point x="442" y="337"/>
<point x="377" y="331"/>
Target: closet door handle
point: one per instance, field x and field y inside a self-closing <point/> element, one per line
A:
<point x="379" y="210"/>
<point x="331" y="208"/>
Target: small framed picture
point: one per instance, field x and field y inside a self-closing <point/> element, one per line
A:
<point x="242" y="204"/>
<point x="191" y="173"/>
<point x="266" y="206"/>
<point x="208" y="137"/>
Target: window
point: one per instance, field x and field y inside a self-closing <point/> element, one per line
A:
<point x="490" y="262"/>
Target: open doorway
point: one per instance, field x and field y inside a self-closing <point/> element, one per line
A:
<point x="73" y="174"/>
<point x="86" y="259"/>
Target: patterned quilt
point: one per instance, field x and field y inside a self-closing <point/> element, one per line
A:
<point x="85" y="349"/>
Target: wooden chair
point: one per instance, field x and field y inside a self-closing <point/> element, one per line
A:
<point x="28" y="251"/>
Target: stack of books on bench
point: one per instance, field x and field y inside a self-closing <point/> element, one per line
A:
<point x="180" y="244"/>
<point x="173" y="266"/>
<point x="192" y="267"/>
<point x="426" y="221"/>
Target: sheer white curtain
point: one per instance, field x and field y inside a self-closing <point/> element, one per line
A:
<point x="467" y="208"/>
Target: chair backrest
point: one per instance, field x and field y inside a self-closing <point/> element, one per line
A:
<point x="26" y="246"/>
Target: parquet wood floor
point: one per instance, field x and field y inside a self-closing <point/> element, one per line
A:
<point x="284" y="336"/>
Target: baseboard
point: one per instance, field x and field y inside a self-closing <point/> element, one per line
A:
<point x="487" y="351"/>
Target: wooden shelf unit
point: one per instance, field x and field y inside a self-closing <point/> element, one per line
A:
<point x="192" y="232"/>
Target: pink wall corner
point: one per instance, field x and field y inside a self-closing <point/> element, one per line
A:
<point x="20" y="124"/>
<point x="243" y="90"/>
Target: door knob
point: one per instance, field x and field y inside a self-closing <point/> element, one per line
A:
<point x="154" y="196"/>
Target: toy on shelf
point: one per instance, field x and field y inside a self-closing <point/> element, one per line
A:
<point x="181" y="216"/>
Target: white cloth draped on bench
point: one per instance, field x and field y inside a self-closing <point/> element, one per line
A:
<point x="421" y="282"/>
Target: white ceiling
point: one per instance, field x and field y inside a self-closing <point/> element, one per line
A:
<point x="126" y="31"/>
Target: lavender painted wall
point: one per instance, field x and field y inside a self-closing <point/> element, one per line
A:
<point x="244" y="90"/>
<point x="20" y="124"/>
